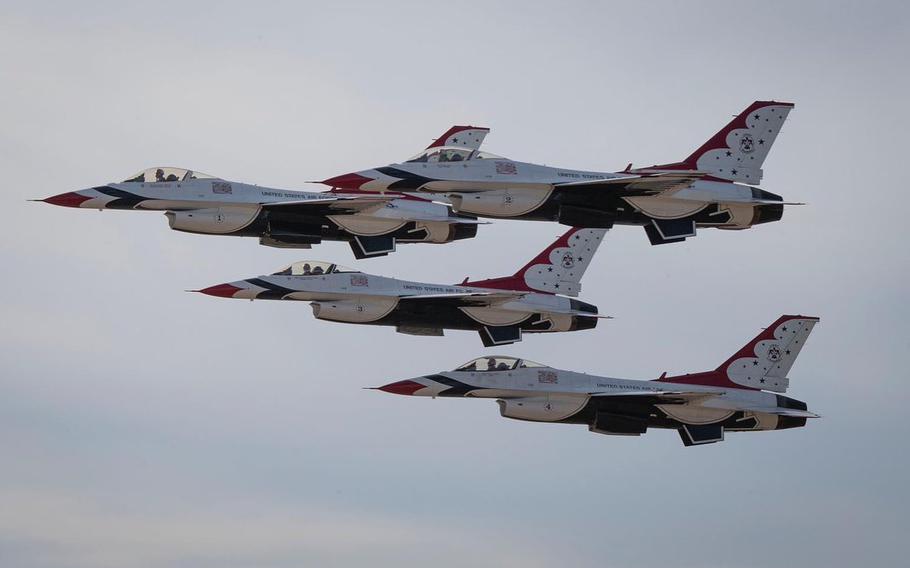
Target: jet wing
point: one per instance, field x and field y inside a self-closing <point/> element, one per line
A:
<point x="779" y="411"/>
<point x="643" y="184"/>
<point x="661" y="397"/>
<point x="482" y="299"/>
<point x="334" y="202"/>
<point x="360" y="203"/>
<point x="686" y="397"/>
<point x="469" y="298"/>
<point x="425" y="217"/>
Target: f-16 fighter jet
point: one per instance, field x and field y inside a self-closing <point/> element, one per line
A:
<point x="199" y="203"/>
<point x="533" y="300"/>
<point x="739" y="395"/>
<point x="713" y="187"/>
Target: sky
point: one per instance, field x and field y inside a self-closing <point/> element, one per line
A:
<point x="141" y="426"/>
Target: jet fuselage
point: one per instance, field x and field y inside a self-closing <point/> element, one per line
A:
<point x="546" y="394"/>
<point x="417" y="308"/>
<point x="280" y="217"/>
<point x="533" y="192"/>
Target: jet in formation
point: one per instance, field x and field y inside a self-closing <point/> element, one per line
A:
<point x="199" y="203"/>
<point x="713" y="187"/>
<point x="741" y="395"/>
<point x="538" y="298"/>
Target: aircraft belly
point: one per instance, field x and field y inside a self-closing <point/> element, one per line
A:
<point x="507" y="202"/>
<point x="688" y="414"/>
<point x="366" y="226"/>
<point x="214" y="220"/>
<point x="495" y="317"/>
<point x="666" y="207"/>
<point x="546" y="408"/>
<point x="354" y="310"/>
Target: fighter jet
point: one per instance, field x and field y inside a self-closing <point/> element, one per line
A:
<point x="738" y="396"/>
<point x="536" y="299"/>
<point x="200" y="203"/>
<point x="713" y="187"/>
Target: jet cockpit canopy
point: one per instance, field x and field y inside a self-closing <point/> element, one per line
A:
<point x="442" y="154"/>
<point x="166" y="174"/>
<point x="498" y="363"/>
<point x="312" y="268"/>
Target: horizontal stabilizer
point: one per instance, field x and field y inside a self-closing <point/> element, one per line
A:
<point x="777" y="411"/>
<point x="774" y="202"/>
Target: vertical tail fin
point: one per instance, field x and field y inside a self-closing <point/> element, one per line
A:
<point x="557" y="269"/>
<point x="761" y="364"/>
<point x="737" y="151"/>
<point x="764" y="362"/>
<point x="465" y="136"/>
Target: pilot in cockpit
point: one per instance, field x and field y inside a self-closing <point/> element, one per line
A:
<point x="159" y="176"/>
<point x="491" y="364"/>
<point x="318" y="270"/>
<point x="306" y="269"/>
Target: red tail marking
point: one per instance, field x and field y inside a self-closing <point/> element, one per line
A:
<point x="517" y="280"/>
<point x="441" y="141"/>
<point x="719" y="140"/>
<point x="718" y="377"/>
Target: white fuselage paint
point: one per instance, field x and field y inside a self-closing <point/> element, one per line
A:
<point x="481" y="187"/>
<point x="218" y="206"/>
<point x="561" y="394"/>
<point x="373" y="297"/>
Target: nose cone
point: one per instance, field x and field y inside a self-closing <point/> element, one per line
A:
<point x="242" y="289"/>
<point x="71" y="199"/>
<point x="347" y="181"/>
<point x="403" y="387"/>
<point x="221" y="290"/>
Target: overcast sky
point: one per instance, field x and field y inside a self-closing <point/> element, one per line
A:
<point x="144" y="426"/>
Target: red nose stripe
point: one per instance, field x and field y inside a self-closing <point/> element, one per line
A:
<point x="71" y="199"/>
<point x="347" y="181"/>
<point x="403" y="387"/>
<point x="221" y="290"/>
